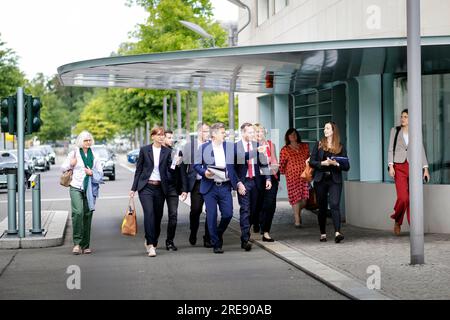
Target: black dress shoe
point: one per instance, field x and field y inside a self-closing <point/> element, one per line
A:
<point x="207" y="243"/>
<point x="339" y="238"/>
<point x="192" y="239"/>
<point x="171" y="246"/>
<point x="247" y="246"/>
<point x="218" y="250"/>
<point x="264" y="239"/>
<point x="323" y="239"/>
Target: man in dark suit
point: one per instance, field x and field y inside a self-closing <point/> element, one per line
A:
<point x="177" y="187"/>
<point x="152" y="180"/>
<point x="193" y="183"/>
<point x="248" y="170"/>
<point x="216" y="187"/>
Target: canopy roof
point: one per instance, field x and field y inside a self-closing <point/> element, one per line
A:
<point x="291" y="67"/>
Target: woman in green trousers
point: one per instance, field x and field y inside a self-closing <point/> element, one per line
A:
<point x="85" y="166"/>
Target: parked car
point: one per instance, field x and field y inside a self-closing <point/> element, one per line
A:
<point x="29" y="163"/>
<point x="107" y="160"/>
<point x="41" y="160"/>
<point x="133" y="156"/>
<point x="8" y="162"/>
<point x="49" y="152"/>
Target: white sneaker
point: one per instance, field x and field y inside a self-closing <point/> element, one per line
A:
<point x="147" y="246"/>
<point x="152" y="251"/>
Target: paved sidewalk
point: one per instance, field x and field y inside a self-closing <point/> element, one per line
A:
<point x="363" y="248"/>
<point x="54" y="224"/>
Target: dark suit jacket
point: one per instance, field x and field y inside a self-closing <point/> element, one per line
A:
<point x="336" y="172"/>
<point x="145" y="166"/>
<point x="241" y="162"/>
<point x="178" y="178"/>
<point x="207" y="158"/>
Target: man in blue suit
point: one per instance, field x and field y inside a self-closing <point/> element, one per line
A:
<point x="216" y="188"/>
<point x="248" y="169"/>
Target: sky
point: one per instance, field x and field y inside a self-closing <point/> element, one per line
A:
<point x="51" y="33"/>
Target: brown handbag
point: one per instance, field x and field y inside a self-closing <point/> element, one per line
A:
<point x="308" y="173"/>
<point x="129" y="222"/>
<point x="66" y="178"/>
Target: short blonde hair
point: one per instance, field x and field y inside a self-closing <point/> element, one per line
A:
<point x="83" y="136"/>
<point x="258" y="126"/>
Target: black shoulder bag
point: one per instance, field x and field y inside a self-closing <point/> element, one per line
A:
<point x="395" y="143"/>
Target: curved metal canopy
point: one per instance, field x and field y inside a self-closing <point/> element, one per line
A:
<point x="290" y="67"/>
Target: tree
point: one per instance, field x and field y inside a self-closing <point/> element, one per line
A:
<point x="10" y="75"/>
<point x="96" y="119"/>
<point x="55" y="115"/>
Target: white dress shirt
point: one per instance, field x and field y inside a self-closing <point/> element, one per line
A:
<point x="78" y="171"/>
<point x="251" y="160"/>
<point x="156" y="176"/>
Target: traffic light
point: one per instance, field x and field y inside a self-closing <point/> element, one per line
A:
<point x="8" y="115"/>
<point x="32" y="114"/>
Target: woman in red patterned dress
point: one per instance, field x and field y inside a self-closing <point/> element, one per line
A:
<point x="293" y="158"/>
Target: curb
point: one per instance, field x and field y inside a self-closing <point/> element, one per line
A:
<point x="334" y="279"/>
<point x="54" y="225"/>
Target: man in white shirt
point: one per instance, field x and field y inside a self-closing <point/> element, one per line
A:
<point x="217" y="191"/>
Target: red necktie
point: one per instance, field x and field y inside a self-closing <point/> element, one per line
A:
<point x="250" y="167"/>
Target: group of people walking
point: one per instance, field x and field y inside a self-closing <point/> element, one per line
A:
<point x="208" y="168"/>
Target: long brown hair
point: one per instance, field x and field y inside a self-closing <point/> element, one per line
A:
<point x="336" y="146"/>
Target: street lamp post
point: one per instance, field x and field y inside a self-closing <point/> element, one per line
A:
<point x="242" y="5"/>
<point x="200" y="31"/>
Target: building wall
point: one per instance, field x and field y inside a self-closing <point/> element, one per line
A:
<point x="322" y="20"/>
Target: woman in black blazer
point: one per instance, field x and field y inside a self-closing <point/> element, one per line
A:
<point x="153" y="180"/>
<point x="328" y="178"/>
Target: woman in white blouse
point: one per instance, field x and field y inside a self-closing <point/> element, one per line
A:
<point x="84" y="165"/>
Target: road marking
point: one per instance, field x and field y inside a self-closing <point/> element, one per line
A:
<point x="126" y="167"/>
<point x="68" y="199"/>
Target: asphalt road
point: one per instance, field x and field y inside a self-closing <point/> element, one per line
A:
<point x="120" y="269"/>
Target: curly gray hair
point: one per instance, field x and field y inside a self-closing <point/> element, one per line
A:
<point x="84" y="135"/>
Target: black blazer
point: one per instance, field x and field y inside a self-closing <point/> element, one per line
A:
<point x="336" y="172"/>
<point x="191" y="152"/>
<point x="241" y="162"/>
<point x="145" y="166"/>
<point x="178" y="178"/>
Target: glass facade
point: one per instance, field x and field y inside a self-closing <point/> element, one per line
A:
<point x="436" y="121"/>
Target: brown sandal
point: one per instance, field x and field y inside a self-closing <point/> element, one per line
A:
<point x="76" y="250"/>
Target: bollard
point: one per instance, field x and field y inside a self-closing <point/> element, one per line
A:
<point x="36" y="203"/>
<point x="12" y="217"/>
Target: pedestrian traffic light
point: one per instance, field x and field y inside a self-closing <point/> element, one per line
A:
<point x="32" y="114"/>
<point x="8" y="115"/>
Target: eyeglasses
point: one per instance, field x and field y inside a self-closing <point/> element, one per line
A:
<point x="87" y="140"/>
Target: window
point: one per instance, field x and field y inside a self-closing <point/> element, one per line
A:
<point x="263" y="11"/>
<point x="435" y="121"/>
<point x="312" y="112"/>
<point x="280" y="5"/>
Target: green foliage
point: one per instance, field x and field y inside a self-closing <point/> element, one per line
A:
<point x="10" y="75"/>
<point x="216" y="108"/>
<point x="96" y="119"/>
<point x="55" y="115"/>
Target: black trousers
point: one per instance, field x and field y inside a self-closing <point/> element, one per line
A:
<point x="197" y="202"/>
<point x="172" y="206"/>
<point x="152" y="201"/>
<point x="328" y="191"/>
<point x="267" y="200"/>
<point x="247" y="212"/>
